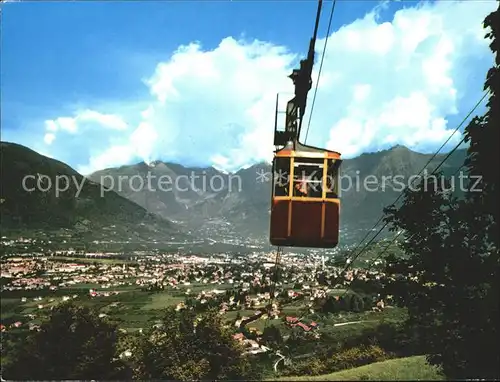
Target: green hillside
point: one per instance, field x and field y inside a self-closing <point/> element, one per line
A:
<point x="400" y="369"/>
<point x="78" y="204"/>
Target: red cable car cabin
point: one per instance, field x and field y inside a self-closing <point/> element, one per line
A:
<point x="305" y="212"/>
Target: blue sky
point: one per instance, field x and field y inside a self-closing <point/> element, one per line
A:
<point x="100" y="84"/>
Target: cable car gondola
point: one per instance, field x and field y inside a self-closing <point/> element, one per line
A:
<point x="305" y="205"/>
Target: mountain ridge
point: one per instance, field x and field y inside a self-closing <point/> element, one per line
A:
<point x="245" y="212"/>
<point x="68" y="201"/>
<point x="226" y="172"/>
<point x="195" y="206"/>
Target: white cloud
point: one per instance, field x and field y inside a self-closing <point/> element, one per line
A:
<point x="85" y="118"/>
<point x="49" y="138"/>
<point x="382" y="84"/>
<point x="109" y="121"/>
<point x="62" y="123"/>
<point x="112" y="157"/>
<point x="413" y="68"/>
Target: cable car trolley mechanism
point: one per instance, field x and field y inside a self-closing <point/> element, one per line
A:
<point x="305" y="204"/>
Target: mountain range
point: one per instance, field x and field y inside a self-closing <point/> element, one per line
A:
<point x="31" y="201"/>
<point x="168" y="201"/>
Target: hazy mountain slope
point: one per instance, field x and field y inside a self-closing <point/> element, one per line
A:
<point x="169" y="190"/>
<point x="89" y="210"/>
<point x="241" y="208"/>
<point x="393" y="169"/>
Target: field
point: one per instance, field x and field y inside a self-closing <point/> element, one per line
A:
<point x="134" y="308"/>
<point x="401" y="369"/>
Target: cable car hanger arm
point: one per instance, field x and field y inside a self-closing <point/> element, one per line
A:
<point x="303" y="82"/>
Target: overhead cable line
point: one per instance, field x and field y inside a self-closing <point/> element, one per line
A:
<point x="379" y="256"/>
<point x="320" y="68"/>
<point x="349" y="264"/>
<point x="272" y="289"/>
<point x="425" y="166"/>
<point x="279" y="250"/>
<point x="402" y="231"/>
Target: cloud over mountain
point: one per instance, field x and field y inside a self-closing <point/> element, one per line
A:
<point x="382" y="83"/>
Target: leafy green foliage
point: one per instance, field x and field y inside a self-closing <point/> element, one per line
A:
<point x="396" y="338"/>
<point x="350" y="302"/>
<point x="341" y="360"/>
<point x="74" y="343"/>
<point x="186" y="347"/>
<point x="357" y="356"/>
<point x="272" y="335"/>
<point x="450" y="280"/>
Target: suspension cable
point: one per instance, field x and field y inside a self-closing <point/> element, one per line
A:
<point x="272" y="289"/>
<point x="425" y="166"/>
<point x="320" y="68"/>
<point x="349" y="264"/>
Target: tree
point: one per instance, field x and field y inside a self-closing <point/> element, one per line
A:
<point x="187" y="347"/>
<point x="345" y="302"/>
<point x="357" y="303"/>
<point x="272" y="335"/>
<point x="74" y="343"/>
<point x="322" y="279"/>
<point x="450" y="280"/>
<point x="296" y="339"/>
<point x="331" y="305"/>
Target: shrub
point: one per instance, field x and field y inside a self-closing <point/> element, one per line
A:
<point x="310" y="367"/>
<point x="315" y="367"/>
<point x="393" y="337"/>
<point x="344" y="359"/>
<point x="357" y="356"/>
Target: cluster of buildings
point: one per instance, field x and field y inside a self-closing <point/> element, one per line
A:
<point x="230" y="282"/>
